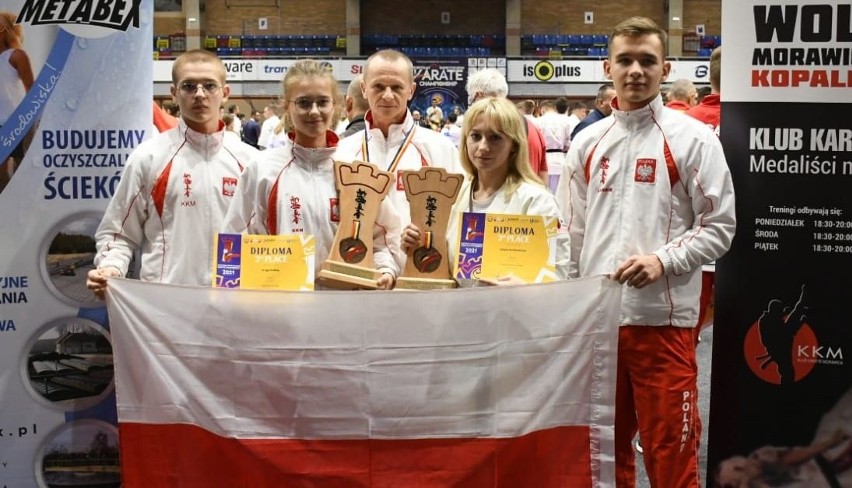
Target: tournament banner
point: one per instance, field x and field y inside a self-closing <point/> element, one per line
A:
<point x="499" y="386"/>
<point x="67" y="126"/>
<point x="781" y="392"/>
<point x="441" y="80"/>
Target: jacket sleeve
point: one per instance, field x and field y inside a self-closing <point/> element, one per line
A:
<point x="245" y="208"/>
<point x="387" y="253"/>
<point x="122" y="229"/>
<point x="708" y="194"/>
<point x="571" y="198"/>
<point x="544" y="204"/>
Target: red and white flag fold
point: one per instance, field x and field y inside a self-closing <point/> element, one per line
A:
<point x="479" y="387"/>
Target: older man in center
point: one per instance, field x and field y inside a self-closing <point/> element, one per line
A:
<point x="391" y="139"/>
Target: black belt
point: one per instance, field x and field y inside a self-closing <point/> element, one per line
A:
<point x="555" y="150"/>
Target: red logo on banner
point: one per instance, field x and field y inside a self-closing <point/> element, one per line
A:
<point x="399" y="184"/>
<point x="780" y="347"/>
<point x="646" y="171"/>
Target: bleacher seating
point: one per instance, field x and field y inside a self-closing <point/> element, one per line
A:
<point x="452" y="46"/>
<point x="260" y="46"/>
<point x="556" y="45"/>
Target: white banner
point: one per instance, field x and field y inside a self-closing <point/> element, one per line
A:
<point x="63" y="147"/>
<point x="517" y="71"/>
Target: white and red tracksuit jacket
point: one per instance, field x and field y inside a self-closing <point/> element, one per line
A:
<point x="170" y="203"/>
<point x="652" y="180"/>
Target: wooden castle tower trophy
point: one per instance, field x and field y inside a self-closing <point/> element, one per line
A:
<point x="361" y="187"/>
<point x="431" y="193"/>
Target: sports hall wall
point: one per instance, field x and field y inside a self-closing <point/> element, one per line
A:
<point x="424" y="17"/>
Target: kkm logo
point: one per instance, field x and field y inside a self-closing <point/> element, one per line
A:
<point x="782" y="348"/>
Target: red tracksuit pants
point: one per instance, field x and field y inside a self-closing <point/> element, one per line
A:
<point x="656" y="395"/>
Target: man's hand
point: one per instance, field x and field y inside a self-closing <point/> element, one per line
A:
<point x="96" y="280"/>
<point x="639" y="271"/>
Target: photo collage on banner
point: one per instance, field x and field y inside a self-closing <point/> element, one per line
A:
<point x="781" y="404"/>
<point x="69" y="119"/>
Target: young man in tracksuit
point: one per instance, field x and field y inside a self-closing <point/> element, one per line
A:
<point x="175" y="188"/>
<point x="648" y="199"/>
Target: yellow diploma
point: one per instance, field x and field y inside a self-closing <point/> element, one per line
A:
<point x="264" y="262"/>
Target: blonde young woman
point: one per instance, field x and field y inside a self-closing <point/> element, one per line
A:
<point x="290" y="189"/>
<point x="16" y="79"/>
<point x="493" y="153"/>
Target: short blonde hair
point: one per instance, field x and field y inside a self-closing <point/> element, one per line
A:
<point x="198" y="56"/>
<point x="503" y="117"/>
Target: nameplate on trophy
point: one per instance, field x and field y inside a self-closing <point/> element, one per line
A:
<point x="431" y="193"/>
<point x="361" y="188"/>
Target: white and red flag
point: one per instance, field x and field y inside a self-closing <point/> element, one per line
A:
<point x="479" y="387"/>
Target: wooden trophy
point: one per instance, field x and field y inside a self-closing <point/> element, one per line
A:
<point x="431" y="193"/>
<point x="361" y="187"/>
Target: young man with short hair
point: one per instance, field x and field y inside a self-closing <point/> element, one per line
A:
<point x="175" y="188"/>
<point x="648" y="199"/>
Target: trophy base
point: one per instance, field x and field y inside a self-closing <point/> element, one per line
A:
<point x="413" y="283"/>
<point x="342" y="276"/>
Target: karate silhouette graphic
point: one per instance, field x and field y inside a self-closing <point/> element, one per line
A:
<point x="778" y="326"/>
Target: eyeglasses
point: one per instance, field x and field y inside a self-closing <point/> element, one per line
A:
<point x="191" y="87"/>
<point x="305" y="104"/>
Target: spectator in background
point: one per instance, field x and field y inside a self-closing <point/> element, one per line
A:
<point x="172" y="109"/>
<point x="451" y="129"/>
<point x="175" y="188"/>
<point x="557" y="137"/>
<point x="603" y="108"/>
<point x="649" y="200"/>
<point x="355" y="106"/>
<point x="392" y="141"/>
<point x="490" y="82"/>
<point x="163" y="121"/>
<point x="703" y="91"/>
<point x="230" y="133"/>
<point x="709" y="110"/>
<point x="682" y="95"/>
<point x="459" y="115"/>
<point x="267" y="129"/>
<point x="527" y="107"/>
<point x="579" y="111"/>
<point x="234" y="110"/>
<point x="251" y="131"/>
